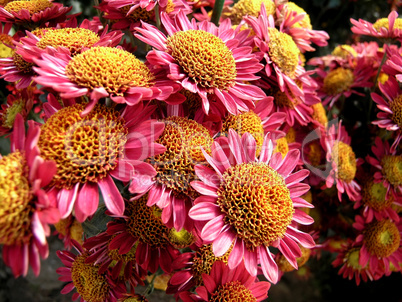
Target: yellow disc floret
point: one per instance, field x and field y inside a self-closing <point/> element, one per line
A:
<point x="392" y="169"/>
<point x="5" y="42"/>
<point x="15" y="206"/>
<point x="183" y="139"/>
<point x="232" y="291"/>
<point x="384" y="22"/>
<point x="283" y="51"/>
<point x="91" y="285"/>
<point x="303" y="23"/>
<point x="11" y="112"/>
<point x="396" y="108"/>
<point x="256" y="203"/>
<point x="344" y="51"/>
<point x="345" y="161"/>
<point x="319" y="114"/>
<point x="382" y="238"/>
<point x="204" y="57"/>
<point x="138" y="14"/>
<point x="32" y="6"/>
<point x="86" y="148"/>
<point x="22" y="65"/>
<point x="114" y="69"/>
<point x="338" y="80"/>
<point x="244" y="8"/>
<point x="74" y="39"/>
<point x="373" y="196"/>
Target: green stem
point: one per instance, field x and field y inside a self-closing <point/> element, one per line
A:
<point x="150" y="286"/>
<point x="158" y="17"/>
<point x="217" y="11"/>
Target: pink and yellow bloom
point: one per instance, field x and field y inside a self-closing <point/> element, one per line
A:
<point x="266" y="185"/>
<point x="227" y="63"/>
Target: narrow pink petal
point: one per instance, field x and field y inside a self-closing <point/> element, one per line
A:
<point x="250" y="261"/>
<point x="304" y="239"/>
<point x="37" y="229"/>
<point x="87" y="201"/>
<point x="66" y="199"/>
<point x="236" y="147"/>
<point x="301" y="217"/>
<point x="124" y="171"/>
<point x="208" y="176"/>
<point x="222" y="244"/>
<point x="236" y="255"/>
<point x="204" y="211"/>
<point x="204" y="189"/>
<point x="249" y="146"/>
<point x="213" y="229"/>
<point x="268" y="265"/>
<point x="111" y="195"/>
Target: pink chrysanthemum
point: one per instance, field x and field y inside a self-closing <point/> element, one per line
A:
<point x="348" y="259"/>
<point x="34" y="13"/>
<point x="381" y="244"/>
<point x="241" y="185"/>
<point x="167" y="176"/>
<point x="130" y="13"/>
<point x="390" y="116"/>
<point x="389" y="165"/>
<point x="342" y="161"/>
<point x="101" y="72"/>
<point x="227" y="62"/>
<point x="142" y="230"/>
<point x="89" y="282"/>
<point x="90" y="151"/>
<point x="25" y="209"/>
<point x="229" y="284"/>
<point x="385" y="28"/>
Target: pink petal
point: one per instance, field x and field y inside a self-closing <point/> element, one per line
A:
<point x="87" y="201"/>
<point x="213" y="228"/>
<point x="111" y="196"/>
<point x="268" y="265"/>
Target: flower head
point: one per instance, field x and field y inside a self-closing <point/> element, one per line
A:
<point x="242" y="185"/>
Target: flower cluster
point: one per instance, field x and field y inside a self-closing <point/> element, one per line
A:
<point x="204" y="140"/>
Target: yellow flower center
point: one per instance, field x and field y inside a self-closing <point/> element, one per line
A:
<point x="5" y="51"/>
<point x="203" y="260"/>
<point x="114" y="69"/>
<point x="75" y="39"/>
<point x="22" y="65"/>
<point x="373" y="196"/>
<point x="282" y="100"/>
<point x="65" y="227"/>
<point x="232" y="291"/>
<point x="344" y="51"/>
<point x="139" y="14"/>
<point x="15" y="206"/>
<point x="134" y="298"/>
<point x="204" y="57"/>
<point x="170" y="7"/>
<point x="183" y="139"/>
<point x="319" y="114"/>
<point x="145" y="223"/>
<point x="282" y="146"/>
<point x="33" y="6"/>
<point x="84" y="148"/>
<point x="91" y="285"/>
<point x="352" y="258"/>
<point x="11" y="112"/>
<point x="396" y="107"/>
<point x="345" y="159"/>
<point x="392" y="169"/>
<point x="382" y="238"/>
<point x="245" y="122"/>
<point x="256" y="203"/>
<point x="283" y="51"/>
<point x="314" y="153"/>
<point x="303" y="23"/>
<point x="383" y="22"/>
<point x="243" y="8"/>
<point x="285" y="266"/>
<point x="180" y="239"/>
<point x="338" y="80"/>
<point x="291" y="135"/>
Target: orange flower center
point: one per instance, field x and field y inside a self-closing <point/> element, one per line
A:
<point x="232" y="291"/>
<point x="114" y="69"/>
<point x="139" y="14"/>
<point x="256" y="203"/>
<point x="183" y="139"/>
<point x="382" y="238"/>
<point x="22" y="65"/>
<point x="16" y="200"/>
<point x="33" y="6"/>
<point x="338" y="80"/>
<point x="319" y="114"/>
<point x="251" y="8"/>
<point x="396" y="108"/>
<point x="204" y="57"/>
<point x="91" y="285"/>
<point x="84" y="148"/>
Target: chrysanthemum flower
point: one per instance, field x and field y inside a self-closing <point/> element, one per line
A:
<point x="229" y="284"/>
<point x="389" y="165"/>
<point x="34" y="13"/>
<point x="390" y="116"/>
<point x="122" y="266"/>
<point x="90" y="284"/>
<point x="25" y="209"/>
<point x="227" y="60"/>
<point x="243" y="8"/>
<point x="381" y="244"/>
<point x="190" y="268"/>
<point x="101" y="72"/>
<point x="16" y="70"/>
<point x="21" y="103"/>
<point x="167" y="176"/>
<point x="90" y="151"/>
<point x="374" y="202"/>
<point x="69" y="229"/>
<point x="241" y="185"/>
<point x="340" y="156"/>
<point x="6" y="41"/>
<point x="348" y="259"/>
<point x="384" y="28"/>
<point x="141" y="228"/>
